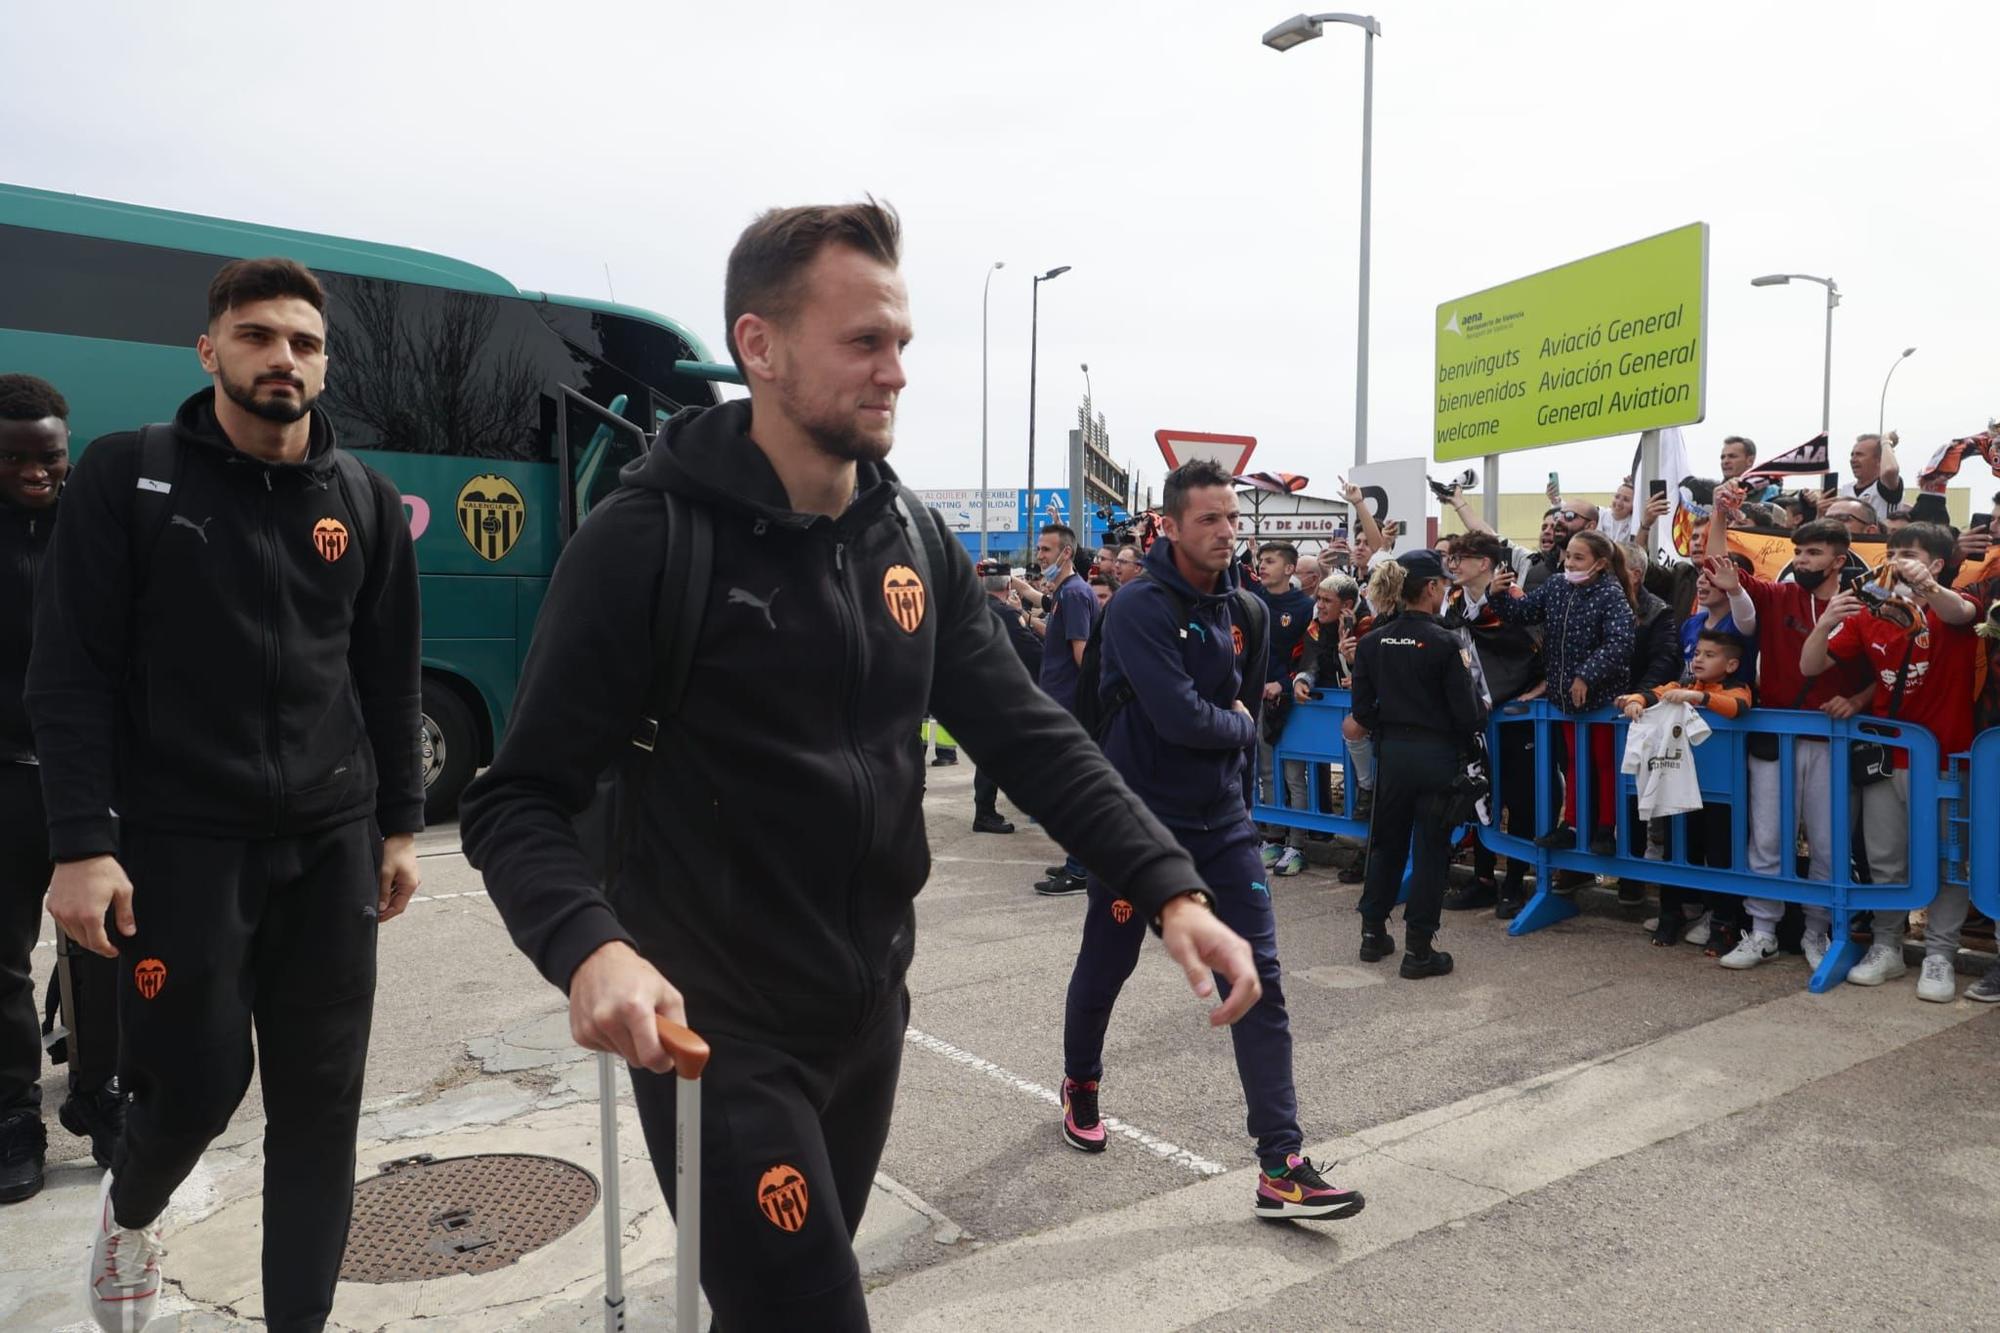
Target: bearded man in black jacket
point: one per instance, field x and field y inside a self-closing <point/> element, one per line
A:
<point x="788" y="954"/>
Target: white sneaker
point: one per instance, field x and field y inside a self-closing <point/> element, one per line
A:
<point x="1272" y="851"/>
<point x="122" y="1287"/>
<point x="1815" y="947"/>
<point x="1753" y="949"/>
<point x="1882" y="962"/>
<point x="1697" y="931"/>
<point x="1937" y="984"/>
<point x="1290" y="862"/>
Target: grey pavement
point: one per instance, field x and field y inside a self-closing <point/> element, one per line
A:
<point x="1572" y="1130"/>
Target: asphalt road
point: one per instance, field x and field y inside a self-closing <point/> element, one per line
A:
<point x="1572" y="1130"/>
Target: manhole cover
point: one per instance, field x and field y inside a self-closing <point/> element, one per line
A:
<point x="427" y="1217"/>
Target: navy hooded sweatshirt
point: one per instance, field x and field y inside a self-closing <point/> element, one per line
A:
<point x="1180" y="744"/>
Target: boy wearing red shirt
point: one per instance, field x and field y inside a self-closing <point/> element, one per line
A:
<point x="1786" y="613"/>
<point x="1921" y="646"/>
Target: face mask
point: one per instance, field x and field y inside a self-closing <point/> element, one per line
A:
<point x="1049" y="572"/>
<point x="1809" y="579"/>
<point x="1579" y="575"/>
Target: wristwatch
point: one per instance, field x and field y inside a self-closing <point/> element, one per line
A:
<point x="1199" y="895"/>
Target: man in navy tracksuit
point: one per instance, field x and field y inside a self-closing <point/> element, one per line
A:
<point x="1181" y="656"/>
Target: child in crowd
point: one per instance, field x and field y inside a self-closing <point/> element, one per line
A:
<point x="1713" y="682"/>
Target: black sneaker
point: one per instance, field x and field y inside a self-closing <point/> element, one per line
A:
<point x="1060" y="885"/>
<point x="1986" y="990"/>
<point x="1560" y="838"/>
<point x="945" y="758"/>
<point x="24" y="1145"/>
<point x="1052" y="872"/>
<point x="990" y="821"/>
<point x="98" y="1116"/>
<point x="1376" y="945"/>
<point x="1480" y="893"/>
<point x="1364" y="804"/>
<point x="1510" y="904"/>
<point x="1603" y="844"/>
<point x="1631" y="892"/>
<point x="1434" y="963"/>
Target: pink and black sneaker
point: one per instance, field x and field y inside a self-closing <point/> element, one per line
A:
<point x="1082" y="1129"/>
<point x="1299" y="1191"/>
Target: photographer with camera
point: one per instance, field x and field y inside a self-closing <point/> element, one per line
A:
<point x="1916" y="637"/>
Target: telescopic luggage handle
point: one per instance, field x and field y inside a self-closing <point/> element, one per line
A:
<point x="690" y="1056"/>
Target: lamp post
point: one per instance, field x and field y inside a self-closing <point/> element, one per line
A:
<point x="985" y="292"/>
<point x="1034" y="337"/>
<point x="1882" y="408"/>
<point x="1296" y="31"/>
<point x="1826" y="377"/>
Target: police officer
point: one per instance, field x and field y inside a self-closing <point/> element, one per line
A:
<point x="994" y="577"/>
<point x="1413" y="691"/>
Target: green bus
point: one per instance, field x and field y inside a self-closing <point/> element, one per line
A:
<point x="500" y="414"/>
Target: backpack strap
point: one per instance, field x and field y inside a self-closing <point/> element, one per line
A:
<point x="157" y="467"/>
<point x="354" y="479"/>
<point x="684" y="580"/>
<point x="923" y="536"/>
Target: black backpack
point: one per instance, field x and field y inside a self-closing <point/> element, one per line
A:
<point x="1095" y="710"/>
<point x="684" y="587"/>
<point x="159" y="468"/>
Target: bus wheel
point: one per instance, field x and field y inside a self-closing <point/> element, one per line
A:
<point x="450" y="745"/>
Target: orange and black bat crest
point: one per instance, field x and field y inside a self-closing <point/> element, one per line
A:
<point x="491" y="514"/>
<point x="781" y="1194"/>
<point x="330" y="539"/>
<point x="149" y="976"/>
<point x="1121" y="911"/>
<point x="904" y="592"/>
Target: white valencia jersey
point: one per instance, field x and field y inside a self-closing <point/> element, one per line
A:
<point x="1659" y="756"/>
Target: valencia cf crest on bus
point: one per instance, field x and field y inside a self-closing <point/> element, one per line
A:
<point x="903" y="590"/>
<point x="491" y="514"/>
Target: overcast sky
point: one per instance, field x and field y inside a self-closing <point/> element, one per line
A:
<point x="1203" y="187"/>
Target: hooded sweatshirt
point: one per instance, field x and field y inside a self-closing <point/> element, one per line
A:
<point x="771" y="845"/>
<point x="259" y="679"/>
<point x="1180" y="743"/>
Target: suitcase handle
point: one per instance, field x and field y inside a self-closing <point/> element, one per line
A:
<point x="689" y="1051"/>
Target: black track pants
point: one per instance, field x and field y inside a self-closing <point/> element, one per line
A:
<point x="790" y="1143"/>
<point x="276" y="936"/>
<point x="24" y="882"/>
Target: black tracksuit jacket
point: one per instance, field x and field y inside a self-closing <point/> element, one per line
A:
<point x="778" y="839"/>
<point x="24" y="536"/>
<point x="244" y="685"/>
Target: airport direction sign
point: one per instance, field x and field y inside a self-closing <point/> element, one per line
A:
<point x="1610" y="345"/>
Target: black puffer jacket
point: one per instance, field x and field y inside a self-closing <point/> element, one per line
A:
<point x="1656" y="644"/>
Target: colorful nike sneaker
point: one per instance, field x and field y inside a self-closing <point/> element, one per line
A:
<point x="1300" y="1191"/>
<point x="1082" y="1129"/>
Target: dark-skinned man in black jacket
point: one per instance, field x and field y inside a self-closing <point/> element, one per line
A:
<point x="786" y="953"/>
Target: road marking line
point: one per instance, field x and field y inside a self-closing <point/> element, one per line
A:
<point x="1152" y="1143"/>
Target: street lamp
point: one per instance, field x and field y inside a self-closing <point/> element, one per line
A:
<point x="1826" y="378"/>
<point x="1296" y="31"/>
<point x="985" y="292"/>
<point x="1882" y="408"/>
<point x="1034" y="336"/>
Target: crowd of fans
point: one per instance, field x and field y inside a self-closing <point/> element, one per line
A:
<point x="1876" y="612"/>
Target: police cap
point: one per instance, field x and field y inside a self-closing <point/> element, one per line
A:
<point x="1421" y="565"/>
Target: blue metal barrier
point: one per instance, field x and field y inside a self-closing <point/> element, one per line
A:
<point x="1983" y="775"/>
<point x="1941" y="830"/>
<point x="1312" y="736"/>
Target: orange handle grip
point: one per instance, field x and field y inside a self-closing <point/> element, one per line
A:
<point x="690" y="1052"/>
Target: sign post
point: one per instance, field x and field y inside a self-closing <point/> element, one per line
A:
<point x="1613" y="344"/>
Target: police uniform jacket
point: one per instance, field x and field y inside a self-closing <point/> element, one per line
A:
<point x="1413" y="681"/>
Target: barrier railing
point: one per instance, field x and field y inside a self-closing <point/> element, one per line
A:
<point x="1983" y="776"/>
<point x="1940" y="830"/>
